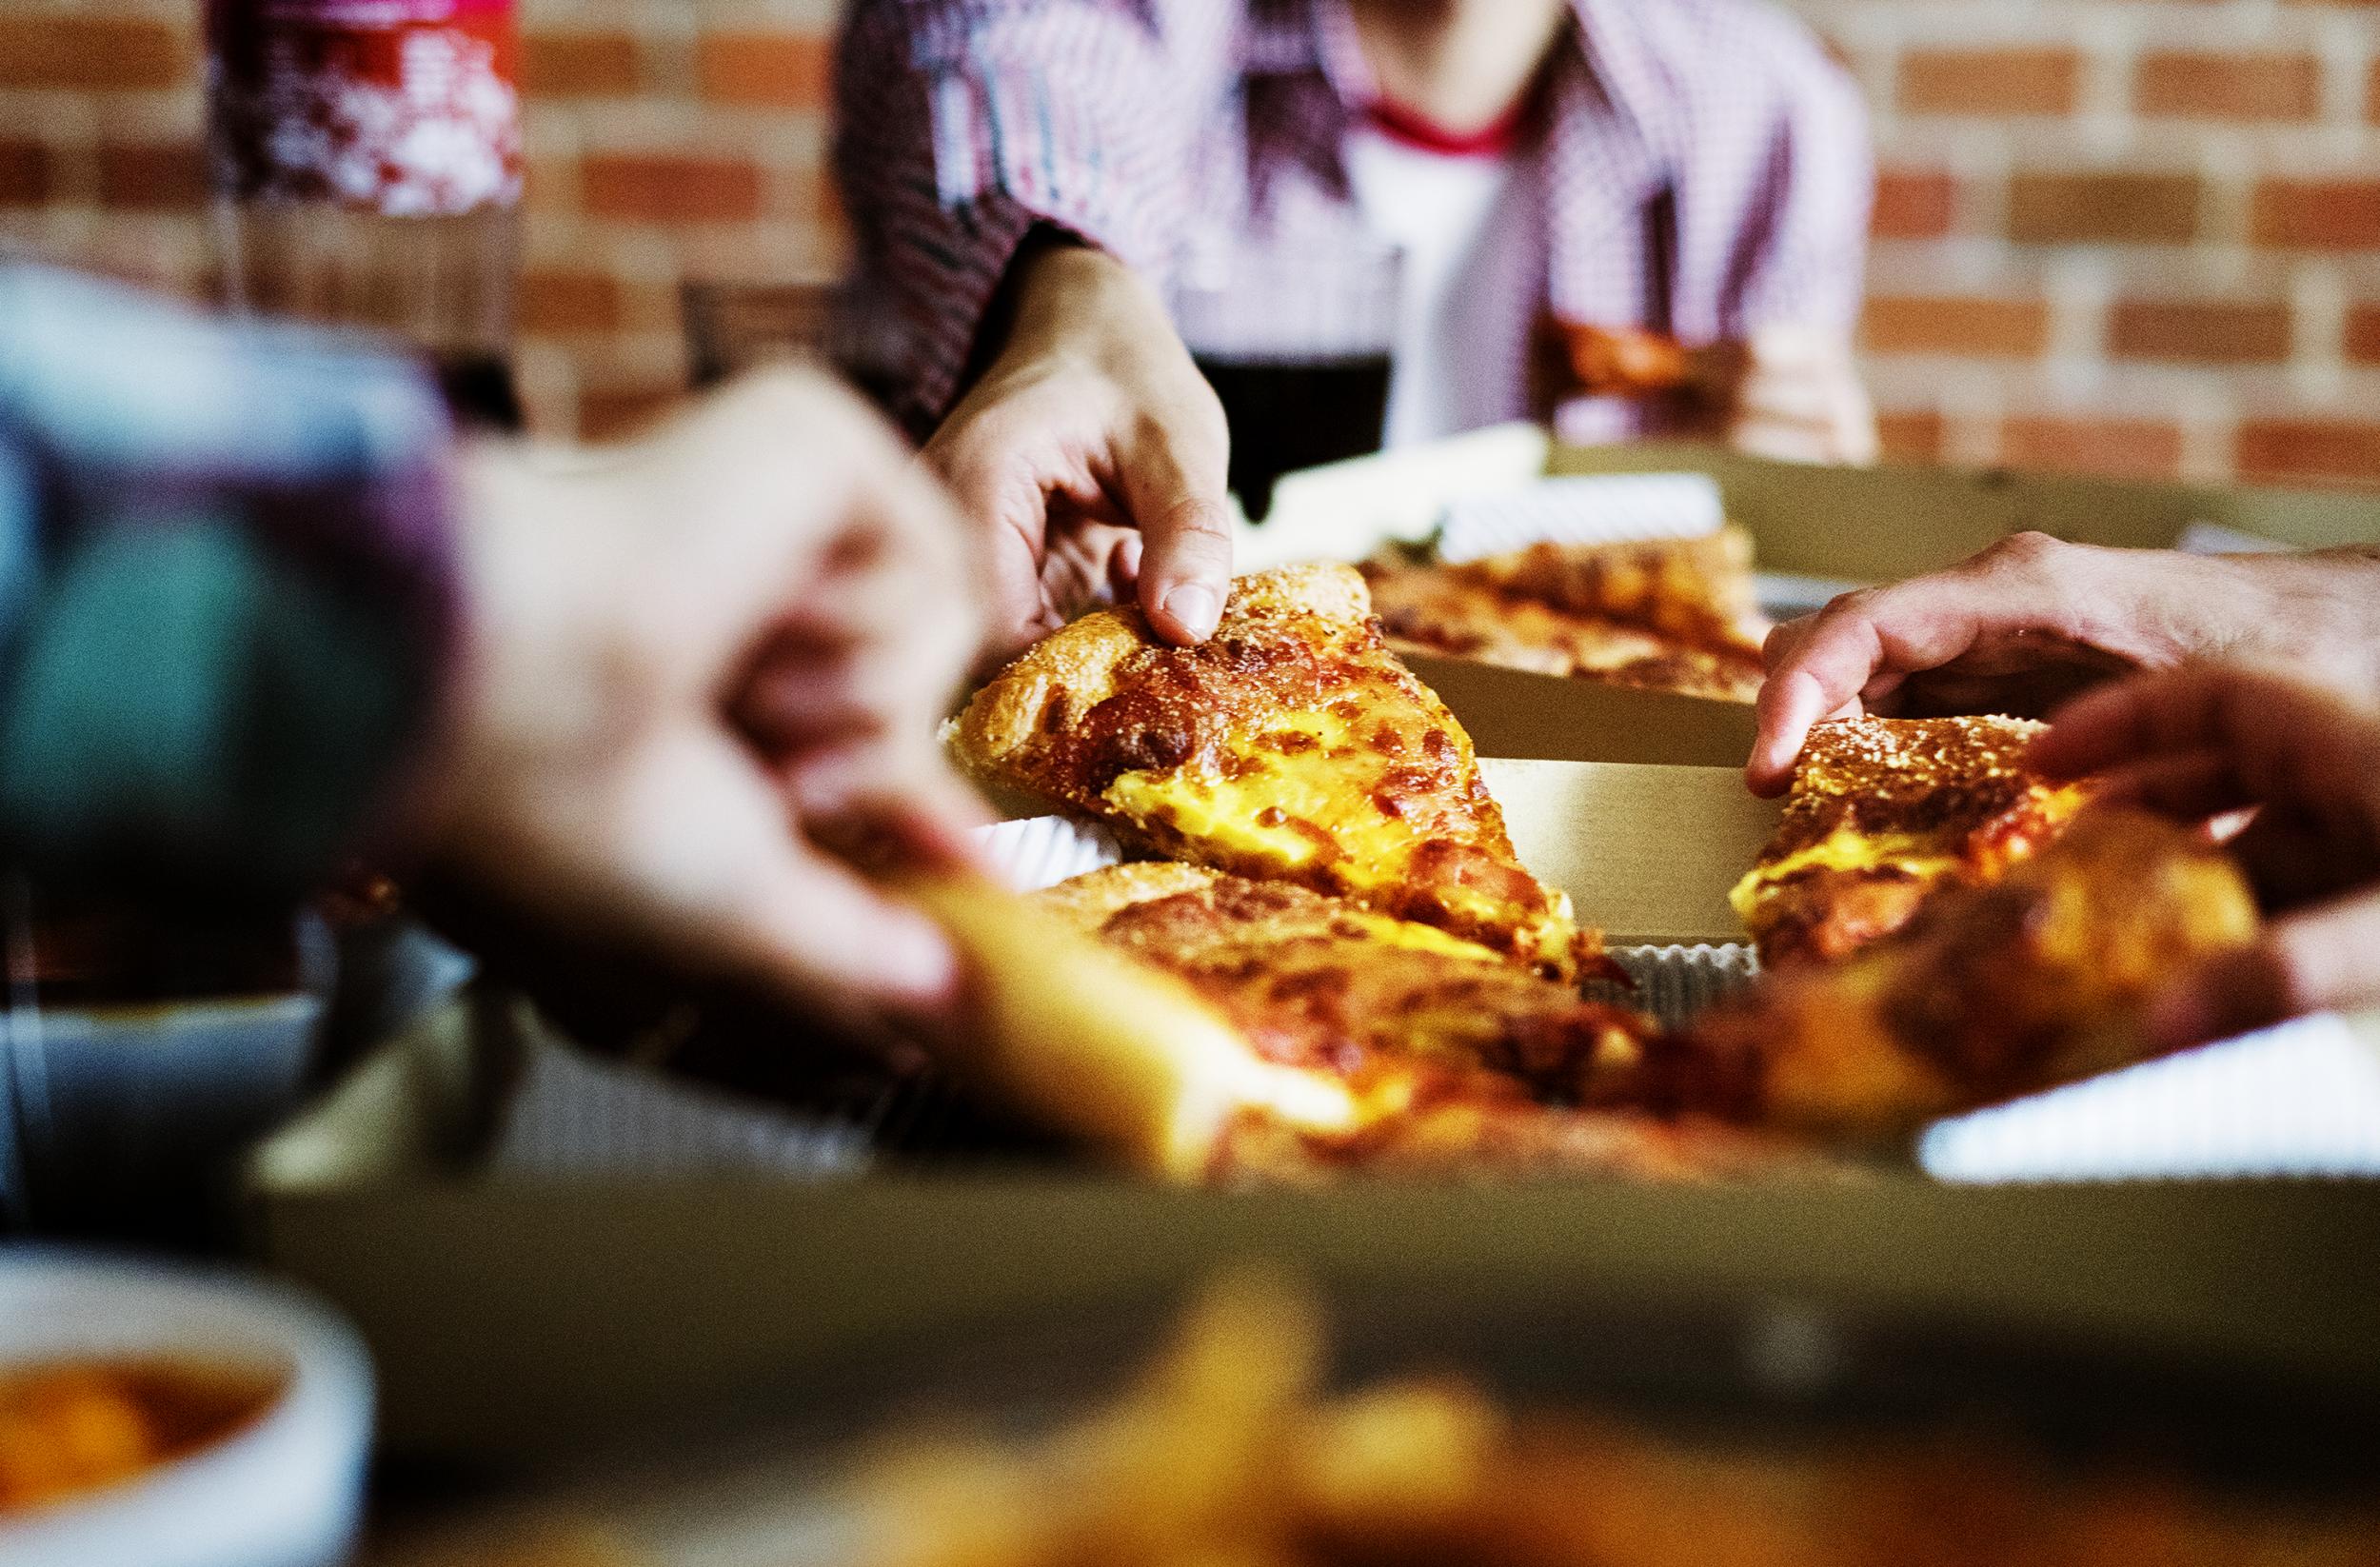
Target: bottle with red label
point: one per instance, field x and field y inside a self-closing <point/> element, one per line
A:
<point x="366" y="165"/>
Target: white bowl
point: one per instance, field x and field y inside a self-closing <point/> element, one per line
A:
<point x="285" y="1492"/>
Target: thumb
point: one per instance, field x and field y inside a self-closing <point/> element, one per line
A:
<point x="1785" y="709"/>
<point x="2321" y="960"/>
<point x="1176" y="500"/>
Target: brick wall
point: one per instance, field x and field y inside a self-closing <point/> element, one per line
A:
<point x="666" y="139"/>
<point x="2132" y="235"/>
<point x="2124" y="235"/>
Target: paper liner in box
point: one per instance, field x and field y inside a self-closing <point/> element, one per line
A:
<point x="1675" y="983"/>
<point x="1042" y="851"/>
<point x="2300" y="1099"/>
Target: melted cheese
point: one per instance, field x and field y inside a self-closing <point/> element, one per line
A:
<point x="1846" y="848"/>
<point x="1418" y="938"/>
<point x="1322" y="785"/>
<point x="1374" y="848"/>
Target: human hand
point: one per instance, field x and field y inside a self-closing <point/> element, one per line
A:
<point x="1091" y="456"/>
<point x="690" y="663"/>
<point x="2204" y="740"/>
<point x="2031" y="621"/>
<point x="1789" y="392"/>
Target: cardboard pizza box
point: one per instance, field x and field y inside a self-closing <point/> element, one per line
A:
<point x="518" y="1321"/>
<point x="515" y="1314"/>
<point x="1815" y="531"/>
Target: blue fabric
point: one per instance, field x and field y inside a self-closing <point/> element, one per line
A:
<point x="224" y="585"/>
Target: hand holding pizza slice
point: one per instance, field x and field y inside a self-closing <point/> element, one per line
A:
<point x="1291" y="746"/>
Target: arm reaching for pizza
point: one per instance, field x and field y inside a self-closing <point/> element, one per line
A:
<point x="2031" y="621"/>
<point x="1091" y="455"/>
<point x="685" y="662"/>
<point x="258" y="611"/>
<point x="2203" y="740"/>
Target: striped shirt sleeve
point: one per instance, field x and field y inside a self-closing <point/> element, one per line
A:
<point x="1808" y="219"/>
<point x="966" y="124"/>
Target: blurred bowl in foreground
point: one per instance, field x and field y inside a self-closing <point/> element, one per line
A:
<point x="249" y="1405"/>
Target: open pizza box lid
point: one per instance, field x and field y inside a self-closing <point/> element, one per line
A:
<point x="1814" y="531"/>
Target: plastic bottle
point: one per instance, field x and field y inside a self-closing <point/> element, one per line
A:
<point x="367" y="165"/>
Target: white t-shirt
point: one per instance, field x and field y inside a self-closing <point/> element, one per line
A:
<point x="1474" y="242"/>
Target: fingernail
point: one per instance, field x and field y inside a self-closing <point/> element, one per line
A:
<point x="1193" y="607"/>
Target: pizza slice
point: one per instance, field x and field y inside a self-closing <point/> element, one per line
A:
<point x="1663" y="614"/>
<point x="1883" y="811"/>
<point x="1209" y="1029"/>
<point x="1696" y="591"/>
<point x="1990" y="991"/>
<point x="1291" y="745"/>
<point x="1320" y="982"/>
<point x="1580" y="358"/>
<point x="1452" y="1060"/>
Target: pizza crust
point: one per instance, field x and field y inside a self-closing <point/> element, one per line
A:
<point x="1054" y="683"/>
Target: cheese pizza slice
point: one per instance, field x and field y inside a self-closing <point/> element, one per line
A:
<point x="1990" y="991"/>
<point x="1881" y="813"/>
<point x="1322" y="983"/>
<point x="1451" y="1059"/>
<point x="1291" y="745"/>
<point x="1661" y="614"/>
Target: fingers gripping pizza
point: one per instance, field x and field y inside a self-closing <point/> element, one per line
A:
<point x="1990" y="991"/>
<point x="1291" y="746"/>
<point x="1884" y="811"/>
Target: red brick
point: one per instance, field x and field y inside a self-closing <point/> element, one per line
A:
<point x="785" y="69"/>
<point x="563" y="303"/>
<point x="2310" y="449"/>
<point x="1977" y="327"/>
<point x="1913" y="202"/>
<point x="2316" y="214"/>
<point x="2117" y="209"/>
<point x="2199" y="332"/>
<point x="2133" y="448"/>
<point x="2226" y="86"/>
<point x="614" y="414"/>
<point x="1993" y="82"/>
<point x="2362" y="338"/>
<point x="27" y="178"/>
<point x="671" y="187"/>
<point x="579" y="64"/>
<point x="153" y="176"/>
<point x="1911" y="437"/>
<point x="94" y="53"/>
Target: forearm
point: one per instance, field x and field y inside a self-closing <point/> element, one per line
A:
<point x="2318" y="611"/>
<point x="229" y="599"/>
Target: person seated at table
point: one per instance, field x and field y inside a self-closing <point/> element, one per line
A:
<point x="1024" y="174"/>
<point x="261" y="609"/>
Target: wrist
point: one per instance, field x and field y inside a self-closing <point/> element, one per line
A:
<point x="517" y="689"/>
<point x="1070" y="295"/>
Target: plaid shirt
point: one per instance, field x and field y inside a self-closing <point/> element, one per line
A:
<point x="224" y="585"/>
<point x="1705" y="167"/>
